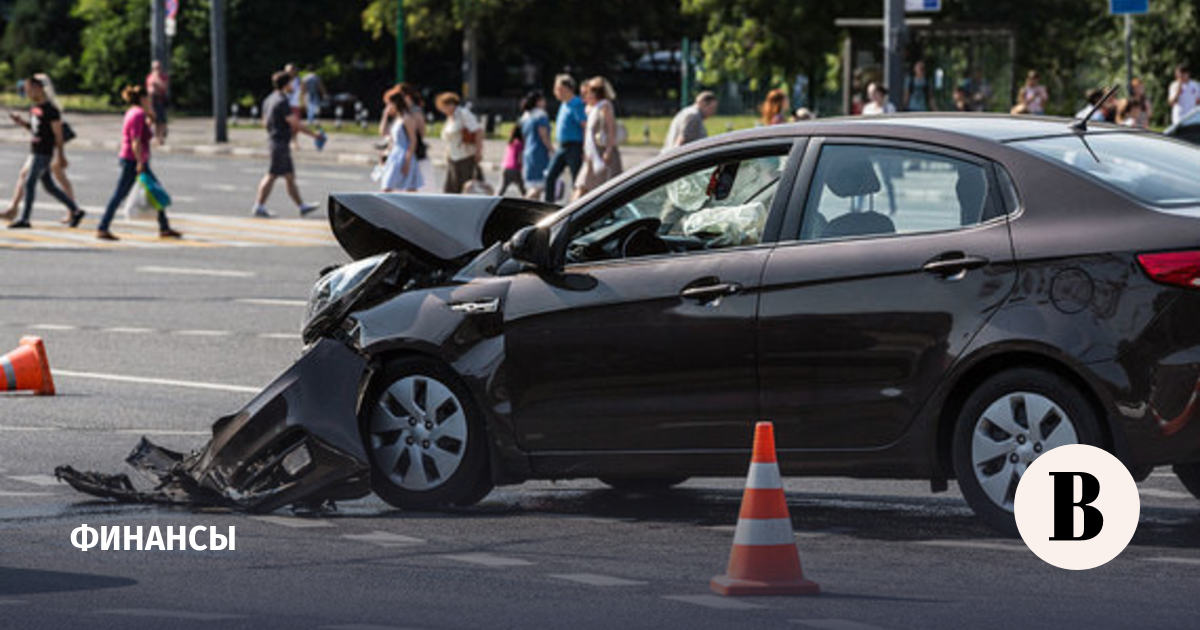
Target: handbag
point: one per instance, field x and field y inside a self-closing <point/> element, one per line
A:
<point x="422" y="151"/>
<point x="68" y="132"/>
<point x="156" y="195"/>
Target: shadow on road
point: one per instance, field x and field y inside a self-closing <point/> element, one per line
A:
<point x="30" y="581"/>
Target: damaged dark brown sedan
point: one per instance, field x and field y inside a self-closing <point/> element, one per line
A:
<point x="909" y="297"/>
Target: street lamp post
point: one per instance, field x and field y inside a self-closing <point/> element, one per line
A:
<point x="893" y="39"/>
<point x="399" y="41"/>
<point x="219" y="79"/>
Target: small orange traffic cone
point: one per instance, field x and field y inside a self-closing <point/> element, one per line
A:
<point x="764" y="560"/>
<point x="27" y="368"/>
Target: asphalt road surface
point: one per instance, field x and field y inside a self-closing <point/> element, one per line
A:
<point x="159" y="341"/>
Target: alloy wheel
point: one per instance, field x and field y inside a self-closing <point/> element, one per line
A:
<point x="1012" y="432"/>
<point x="418" y="432"/>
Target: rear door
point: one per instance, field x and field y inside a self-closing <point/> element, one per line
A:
<point x="900" y="253"/>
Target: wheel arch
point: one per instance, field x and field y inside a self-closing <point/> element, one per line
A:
<point x="385" y="356"/>
<point x="993" y="363"/>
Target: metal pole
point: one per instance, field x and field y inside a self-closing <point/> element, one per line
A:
<point x="847" y="73"/>
<point x="685" y="73"/>
<point x="158" y="32"/>
<point x="893" y="40"/>
<point x="399" y="41"/>
<point x="1128" y="54"/>
<point x="219" y="70"/>
<point x="470" y="53"/>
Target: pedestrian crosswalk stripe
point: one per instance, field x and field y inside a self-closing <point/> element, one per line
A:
<point x="199" y="230"/>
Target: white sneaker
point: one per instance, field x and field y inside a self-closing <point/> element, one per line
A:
<point x="306" y="208"/>
<point x="261" y="212"/>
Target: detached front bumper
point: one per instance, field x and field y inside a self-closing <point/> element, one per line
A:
<point x="296" y="442"/>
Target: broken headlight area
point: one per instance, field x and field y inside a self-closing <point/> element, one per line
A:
<point x="296" y="443"/>
<point x="359" y="284"/>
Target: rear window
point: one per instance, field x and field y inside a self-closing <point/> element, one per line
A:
<point x="1151" y="168"/>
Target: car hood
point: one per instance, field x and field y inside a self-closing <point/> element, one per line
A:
<point x="442" y="231"/>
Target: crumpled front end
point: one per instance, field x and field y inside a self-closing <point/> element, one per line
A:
<point x="296" y="443"/>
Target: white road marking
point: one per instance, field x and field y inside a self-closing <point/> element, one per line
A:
<point x="1163" y="494"/>
<point x="183" y="198"/>
<point x="202" y="333"/>
<point x="488" y="560"/>
<point x="287" y="336"/>
<point x="12" y="428"/>
<point x="271" y="302"/>
<point x="974" y="544"/>
<point x="53" y="327"/>
<point x="350" y="177"/>
<point x="167" y="382"/>
<point x="37" y="480"/>
<point x="219" y="187"/>
<point x="170" y="614"/>
<point x="835" y="624"/>
<point x="1174" y="560"/>
<point x="714" y="601"/>
<point x="595" y="579"/>
<point x="196" y="166"/>
<point x="162" y="432"/>
<point x="197" y="271"/>
<point x="292" y="521"/>
<point x="128" y="330"/>
<point x="361" y="627"/>
<point x="385" y="539"/>
<point x="12" y="493"/>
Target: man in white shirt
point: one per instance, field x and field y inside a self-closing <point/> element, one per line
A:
<point x="1184" y="94"/>
<point x="879" y="104"/>
<point x="688" y="124"/>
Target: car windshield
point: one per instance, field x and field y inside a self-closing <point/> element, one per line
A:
<point x="1153" y="169"/>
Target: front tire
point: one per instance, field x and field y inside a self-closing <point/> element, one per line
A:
<point x="424" y="437"/>
<point x="1005" y="424"/>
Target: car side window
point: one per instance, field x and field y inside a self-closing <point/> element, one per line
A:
<point x="716" y="205"/>
<point x="869" y="190"/>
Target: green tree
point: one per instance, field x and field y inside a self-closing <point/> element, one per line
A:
<point x="766" y="42"/>
<point x="41" y="36"/>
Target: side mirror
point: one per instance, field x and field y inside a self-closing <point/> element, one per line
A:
<point x="530" y="245"/>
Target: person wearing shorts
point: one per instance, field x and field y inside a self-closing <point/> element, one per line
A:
<point x="281" y="123"/>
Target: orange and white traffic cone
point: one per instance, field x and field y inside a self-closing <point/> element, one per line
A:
<point x="764" y="560"/>
<point x="27" y="368"/>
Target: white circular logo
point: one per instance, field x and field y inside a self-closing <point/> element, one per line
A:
<point x="1077" y="507"/>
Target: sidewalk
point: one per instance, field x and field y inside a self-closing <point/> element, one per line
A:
<point x="194" y="135"/>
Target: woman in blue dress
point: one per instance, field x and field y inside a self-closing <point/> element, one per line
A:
<point x="535" y="132"/>
<point x="400" y="170"/>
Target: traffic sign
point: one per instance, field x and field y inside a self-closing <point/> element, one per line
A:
<point x="1128" y="7"/>
<point x="921" y="6"/>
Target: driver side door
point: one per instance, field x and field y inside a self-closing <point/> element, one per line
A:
<point x="638" y="350"/>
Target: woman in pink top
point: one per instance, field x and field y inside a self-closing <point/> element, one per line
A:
<point x="136" y="133"/>
<point x="512" y="162"/>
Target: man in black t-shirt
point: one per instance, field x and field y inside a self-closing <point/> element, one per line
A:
<point x="45" y="123"/>
<point x="281" y="123"/>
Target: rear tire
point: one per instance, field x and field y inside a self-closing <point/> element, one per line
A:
<point x="647" y="485"/>
<point x="1189" y="476"/>
<point x="424" y="437"/>
<point x="1005" y="424"/>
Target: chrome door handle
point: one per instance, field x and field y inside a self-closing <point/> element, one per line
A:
<point x="710" y="291"/>
<point x="952" y="266"/>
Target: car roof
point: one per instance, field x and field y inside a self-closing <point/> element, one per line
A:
<point x="995" y="127"/>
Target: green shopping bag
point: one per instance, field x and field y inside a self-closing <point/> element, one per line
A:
<point x="156" y="195"/>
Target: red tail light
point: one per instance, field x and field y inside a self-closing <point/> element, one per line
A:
<point x="1177" y="268"/>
